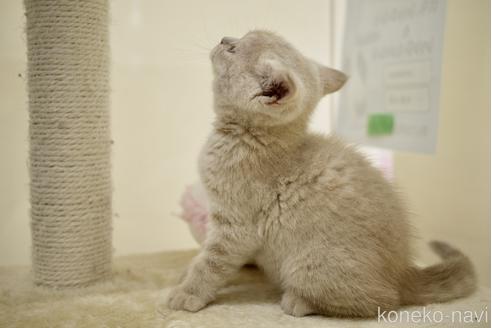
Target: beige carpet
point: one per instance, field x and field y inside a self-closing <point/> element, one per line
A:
<point x="134" y="299"/>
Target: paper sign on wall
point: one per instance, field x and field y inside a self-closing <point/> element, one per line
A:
<point x="392" y="53"/>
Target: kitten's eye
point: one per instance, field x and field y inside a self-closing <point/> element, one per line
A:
<point x="232" y="49"/>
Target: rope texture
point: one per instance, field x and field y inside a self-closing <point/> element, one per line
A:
<point x="70" y="143"/>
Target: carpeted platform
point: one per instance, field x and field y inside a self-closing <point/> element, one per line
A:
<point x="135" y="295"/>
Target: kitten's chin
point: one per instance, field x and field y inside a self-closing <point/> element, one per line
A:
<point x="269" y="118"/>
<point x="214" y="54"/>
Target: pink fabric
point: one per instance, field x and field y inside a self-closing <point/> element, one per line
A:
<point x="195" y="210"/>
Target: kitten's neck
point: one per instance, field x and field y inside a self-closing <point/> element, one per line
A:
<point x="284" y="136"/>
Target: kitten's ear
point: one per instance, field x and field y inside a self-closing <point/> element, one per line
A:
<point x="331" y="79"/>
<point x="278" y="84"/>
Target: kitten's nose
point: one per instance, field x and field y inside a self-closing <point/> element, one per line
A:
<point x="228" y="40"/>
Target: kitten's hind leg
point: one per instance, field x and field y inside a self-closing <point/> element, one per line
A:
<point x="295" y="305"/>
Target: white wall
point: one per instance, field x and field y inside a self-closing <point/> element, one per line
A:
<point x="161" y="107"/>
<point x="449" y="192"/>
<point x="15" y="238"/>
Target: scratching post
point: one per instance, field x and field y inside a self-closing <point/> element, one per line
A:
<point x="69" y="132"/>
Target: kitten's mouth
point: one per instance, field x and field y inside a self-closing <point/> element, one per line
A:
<point x="214" y="52"/>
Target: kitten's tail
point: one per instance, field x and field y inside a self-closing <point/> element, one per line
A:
<point x="452" y="278"/>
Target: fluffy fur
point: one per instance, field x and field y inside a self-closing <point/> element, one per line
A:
<point x="322" y="223"/>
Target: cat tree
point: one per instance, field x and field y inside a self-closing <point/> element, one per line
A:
<point x="69" y="133"/>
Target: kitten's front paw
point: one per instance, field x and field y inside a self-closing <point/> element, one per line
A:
<point x="180" y="300"/>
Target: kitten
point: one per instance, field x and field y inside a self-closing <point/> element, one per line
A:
<point x="316" y="217"/>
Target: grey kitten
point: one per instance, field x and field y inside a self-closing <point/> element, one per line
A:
<point x="316" y="217"/>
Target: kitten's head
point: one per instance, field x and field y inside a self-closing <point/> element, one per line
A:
<point x="264" y="80"/>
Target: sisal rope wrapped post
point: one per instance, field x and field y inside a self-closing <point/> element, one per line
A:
<point x="69" y="131"/>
